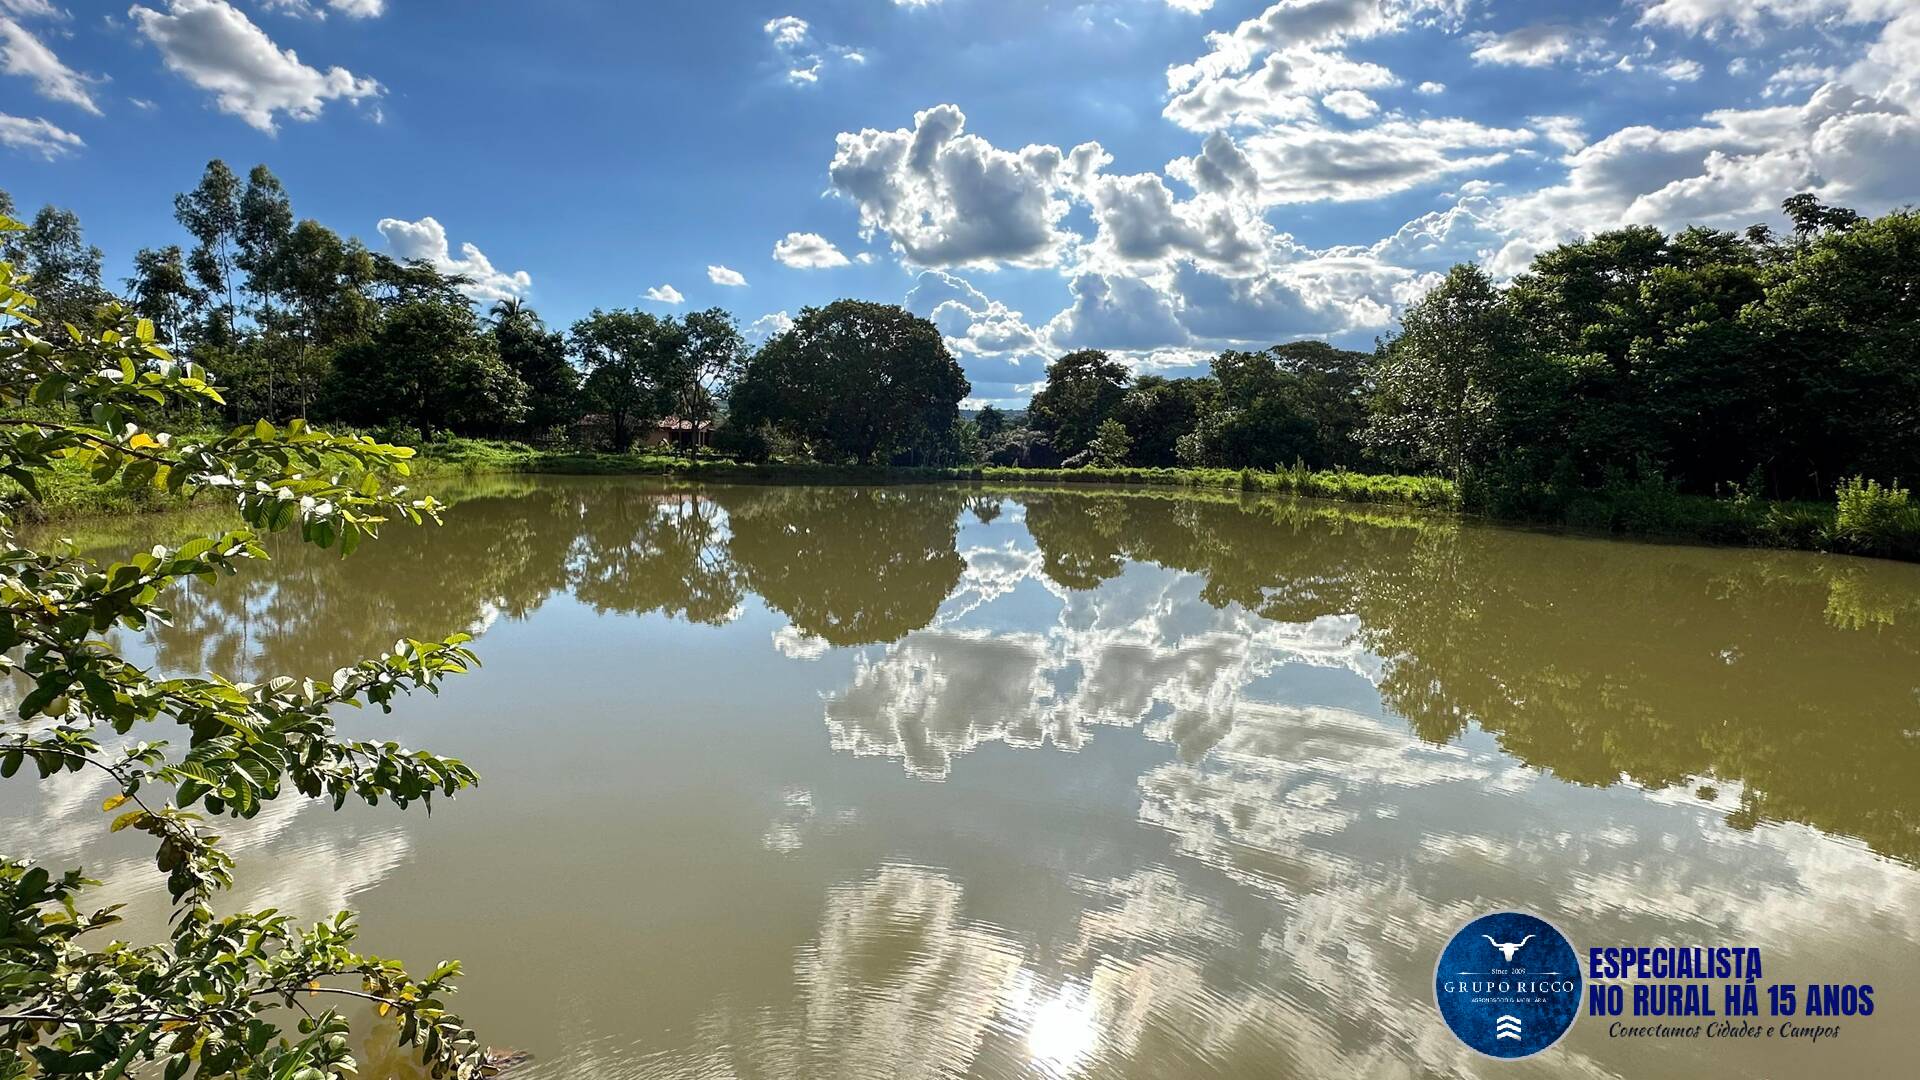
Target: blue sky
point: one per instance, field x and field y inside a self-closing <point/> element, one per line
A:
<point x="1162" y="178"/>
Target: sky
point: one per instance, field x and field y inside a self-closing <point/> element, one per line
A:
<point x="1159" y="178"/>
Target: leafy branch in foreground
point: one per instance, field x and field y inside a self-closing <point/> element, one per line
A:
<point x="206" y="1000"/>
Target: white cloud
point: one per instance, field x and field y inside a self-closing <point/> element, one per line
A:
<point x="787" y="30"/>
<point x="426" y="240"/>
<point x="805" y="57"/>
<point x="37" y="136"/>
<point x="24" y="55"/>
<point x="352" y="9"/>
<point x="665" y="294"/>
<point x="1529" y="46"/>
<point x="973" y="325"/>
<point x="1116" y="312"/>
<point x="1191" y="7"/>
<point x="33" y="9"/>
<point x="1299" y="163"/>
<point x="1430" y="88"/>
<point x="948" y="198"/>
<point x="1681" y="70"/>
<point x="772" y="325"/>
<point x="1730" y="170"/>
<point x="1140" y="225"/>
<point x="1566" y="132"/>
<point x="808" y="251"/>
<point x="1890" y="68"/>
<point x="1351" y="104"/>
<point x="732" y="279"/>
<point x="936" y="287"/>
<point x="217" y="48"/>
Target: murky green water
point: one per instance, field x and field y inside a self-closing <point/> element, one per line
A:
<point x="819" y="782"/>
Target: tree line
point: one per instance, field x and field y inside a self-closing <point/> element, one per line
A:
<point x="1702" y="361"/>
<point x="1699" y="361"/>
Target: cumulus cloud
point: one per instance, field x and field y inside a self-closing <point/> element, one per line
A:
<point x="1309" y="163"/>
<point x="936" y="287"/>
<point x="949" y="198"/>
<point x="217" y="48"/>
<point x="1141" y="224"/>
<point x="1351" y="104"/>
<point x="808" y="251"/>
<point x="1529" y="46"/>
<point x="721" y="275"/>
<point x="1890" y="66"/>
<point x="1272" y="66"/>
<point x="767" y="326"/>
<point x="37" y="136"/>
<point x="23" y="54"/>
<point x="426" y="240"/>
<point x="1116" y="312"/>
<point x="1730" y="170"/>
<point x="994" y="343"/>
<point x="665" y="294"/>
<point x="1171" y="264"/>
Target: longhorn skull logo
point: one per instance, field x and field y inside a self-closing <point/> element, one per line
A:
<point x="1507" y="948"/>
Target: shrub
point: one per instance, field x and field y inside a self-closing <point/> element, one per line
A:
<point x="1874" y="520"/>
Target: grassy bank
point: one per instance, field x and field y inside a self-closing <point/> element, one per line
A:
<point x="1866" y="519"/>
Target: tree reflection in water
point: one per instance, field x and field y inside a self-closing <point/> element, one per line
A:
<point x="1789" y="680"/>
<point x="1307" y="845"/>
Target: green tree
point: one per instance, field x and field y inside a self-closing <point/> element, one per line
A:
<point x="620" y="352"/>
<point x="539" y="357"/>
<point x="210" y="995"/>
<point x="160" y="291"/>
<point x="1109" y="446"/>
<point x="266" y="223"/>
<point x="1438" y="381"/>
<point x="704" y="360"/>
<point x="64" y="269"/>
<point x="1082" y="389"/>
<point x="855" y="380"/>
<point x="428" y="365"/>
<point x="989" y="422"/>
<point x="211" y="213"/>
<point x="1157" y="411"/>
<point x="1841" y="319"/>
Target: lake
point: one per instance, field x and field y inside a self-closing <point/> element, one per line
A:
<point x="941" y="781"/>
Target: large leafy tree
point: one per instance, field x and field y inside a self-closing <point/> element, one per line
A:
<point x="704" y="361"/>
<point x="178" y="750"/>
<point x="855" y="380"/>
<point x="620" y="351"/>
<point x="1302" y="401"/>
<point x="1439" y="382"/>
<point x="1083" y="389"/>
<point x="539" y="357"/>
<point x="430" y="365"/>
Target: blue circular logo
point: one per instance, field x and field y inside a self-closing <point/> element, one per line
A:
<point x="1508" y="984"/>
